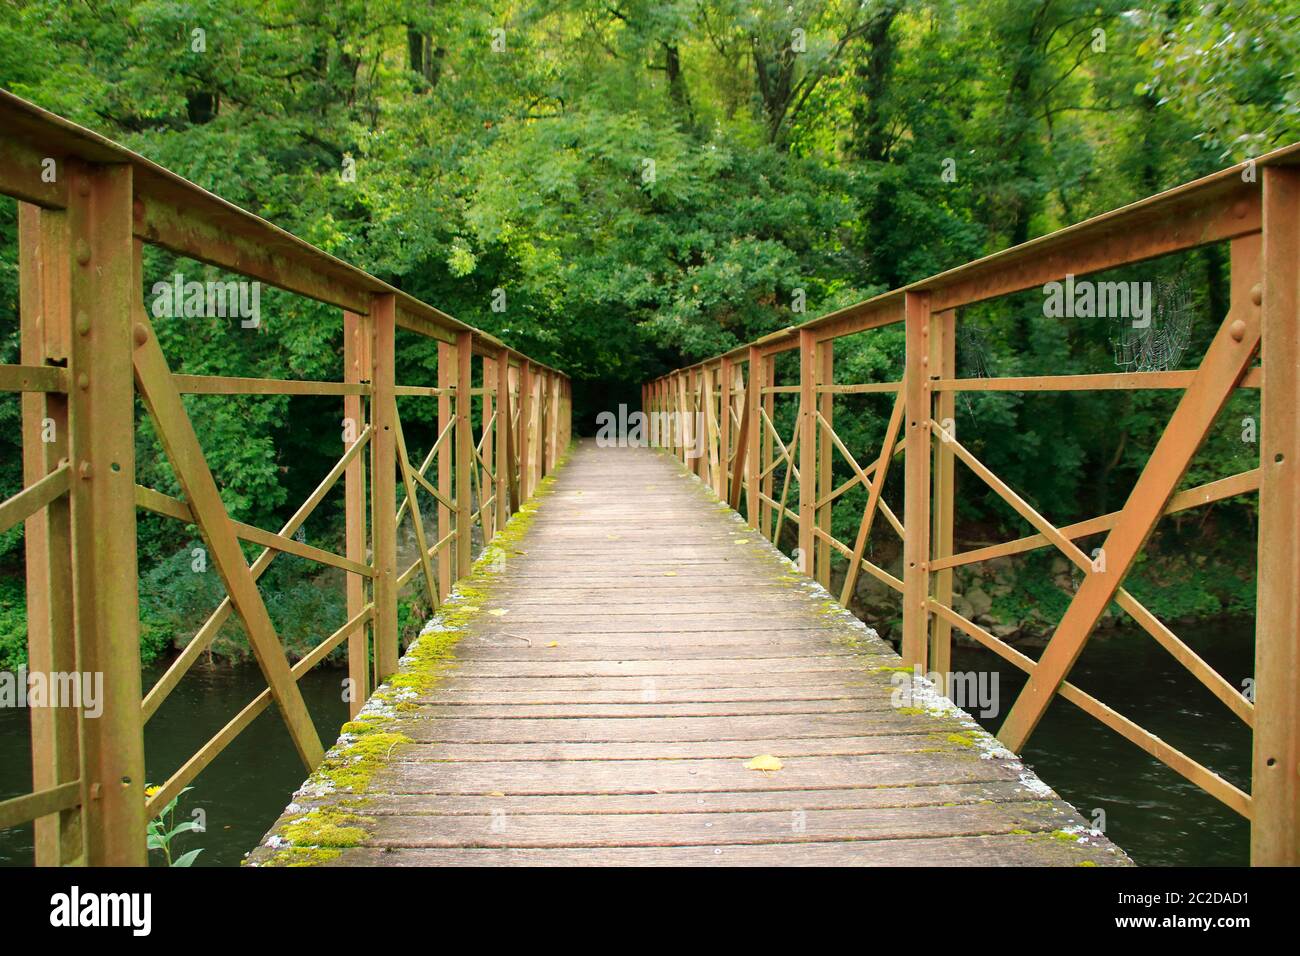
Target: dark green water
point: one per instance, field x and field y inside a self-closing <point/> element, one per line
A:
<point x="1153" y="813"/>
<point x="1150" y="811"/>
<point x="241" y="792"/>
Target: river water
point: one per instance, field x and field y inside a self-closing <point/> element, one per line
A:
<point x="1151" y="812"/>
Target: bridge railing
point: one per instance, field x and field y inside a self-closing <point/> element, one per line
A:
<point x="87" y="206"/>
<point x="736" y="447"/>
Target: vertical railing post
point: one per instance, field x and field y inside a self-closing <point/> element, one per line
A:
<point x="725" y="373"/>
<point x="487" y="484"/>
<point x="686" y="421"/>
<point x="357" y="366"/>
<point x="105" y="293"/>
<point x="753" y="395"/>
<point x="768" y="484"/>
<point x="542" y="377"/>
<point x="548" y="423"/>
<point x="51" y="642"/>
<point x="712" y="443"/>
<point x="557" y="428"/>
<point x="943" y="364"/>
<point x="464" y="438"/>
<point x="916" y="483"/>
<point x="525" y="426"/>
<point x="825" y="365"/>
<point x="502" y="438"/>
<point x="691" y="420"/>
<point x="1275" y="788"/>
<point x="807" y="428"/>
<point x="446" y="386"/>
<point x="383" y="481"/>
<point x="568" y="413"/>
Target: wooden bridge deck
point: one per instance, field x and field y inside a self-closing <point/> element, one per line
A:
<point x="611" y="682"/>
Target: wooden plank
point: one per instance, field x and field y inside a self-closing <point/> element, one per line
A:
<point x="660" y="730"/>
<point x="688" y="776"/>
<point x="1004" y="850"/>
<point x="711" y="829"/>
<point x="718" y="801"/>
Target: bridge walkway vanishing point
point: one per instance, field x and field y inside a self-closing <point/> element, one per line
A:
<point x="619" y="648"/>
<point x="593" y="693"/>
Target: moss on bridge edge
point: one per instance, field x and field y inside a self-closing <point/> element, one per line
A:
<point x="336" y="791"/>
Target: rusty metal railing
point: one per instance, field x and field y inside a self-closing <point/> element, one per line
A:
<point x="87" y="207"/>
<point x="1255" y="207"/>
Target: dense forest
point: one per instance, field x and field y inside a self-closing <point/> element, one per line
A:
<point x="652" y="183"/>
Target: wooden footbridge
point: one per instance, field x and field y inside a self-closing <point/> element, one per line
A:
<point x="623" y="665"/>
<point x="621" y="668"/>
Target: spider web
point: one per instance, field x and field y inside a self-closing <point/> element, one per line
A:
<point x="972" y="357"/>
<point x="1160" y="346"/>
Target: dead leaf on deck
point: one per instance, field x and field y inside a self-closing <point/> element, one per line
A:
<point x="498" y="611"/>
<point x="764" y="762"/>
<point x="553" y="644"/>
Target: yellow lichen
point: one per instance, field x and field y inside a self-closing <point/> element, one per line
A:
<point x="320" y="835"/>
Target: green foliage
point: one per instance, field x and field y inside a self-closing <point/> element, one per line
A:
<point x="163" y="829"/>
<point x="13" y="623"/>
<point x="649" y="184"/>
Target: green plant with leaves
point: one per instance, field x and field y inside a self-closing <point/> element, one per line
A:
<point x="163" y="829"/>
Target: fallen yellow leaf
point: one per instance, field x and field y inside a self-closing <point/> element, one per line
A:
<point x="498" y="611"/>
<point x="553" y="644"/>
<point x="764" y="762"/>
<point x="670" y="574"/>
